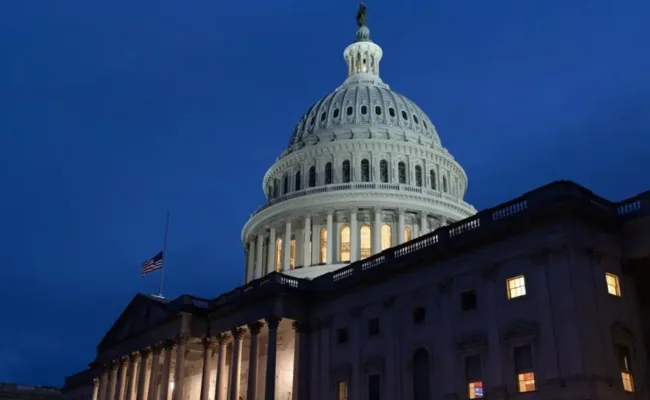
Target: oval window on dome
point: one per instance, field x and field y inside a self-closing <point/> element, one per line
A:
<point x="415" y="118"/>
<point x="323" y="116"/>
<point x="425" y="124"/>
<point x="377" y="110"/>
<point x="364" y="110"/>
<point x="311" y="121"/>
<point x="391" y="112"/>
<point x="335" y="114"/>
<point x="404" y="115"/>
<point x="349" y="111"/>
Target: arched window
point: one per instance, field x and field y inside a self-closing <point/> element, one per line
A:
<point x="383" y="171"/>
<point x="407" y="233"/>
<point x="432" y="177"/>
<point x="328" y="173"/>
<point x="312" y="176"/>
<point x="366" y="244"/>
<point x="276" y="188"/>
<point x="323" y="245"/>
<point x="421" y="376"/>
<point x="365" y="170"/>
<point x="297" y="180"/>
<point x="278" y="254"/>
<point x="444" y="184"/>
<point x="418" y="176"/>
<point x="346" y="171"/>
<point x="285" y="189"/>
<point x="292" y="254"/>
<point x="401" y="171"/>
<point x="344" y="253"/>
<point x="386" y="237"/>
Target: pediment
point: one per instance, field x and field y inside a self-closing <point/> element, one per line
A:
<point x="142" y="313"/>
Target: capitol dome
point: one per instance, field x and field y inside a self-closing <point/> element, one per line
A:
<point x="364" y="170"/>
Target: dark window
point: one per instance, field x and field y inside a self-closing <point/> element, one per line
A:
<point x="285" y="189"/>
<point x="312" y="176"/>
<point x="364" y="110"/>
<point x="391" y="112"/>
<point x="335" y="114"/>
<point x="341" y="335"/>
<point x="383" y="171"/>
<point x="348" y="111"/>
<point x="415" y="118"/>
<point x="432" y="177"/>
<point x="323" y="116"/>
<point x="425" y="124"/>
<point x="328" y="173"/>
<point x="421" y="376"/>
<point x="404" y="115"/>
<point x="444" y="184"/>
<point x="276" y="188"/>
<point x="373" y="327"/>
<point x="346" y="171"/>
<point x="312" y="120"/>
<point x="419" y="315"/>
<point x="468" y="300"/>
<point x="401" y="171"/>
<point x="374" y="387"/>
<point x="418" y="175"/>
<point x="377" y="110"/>
<point x="365" y="171"/>
<point x="298" y="180"/>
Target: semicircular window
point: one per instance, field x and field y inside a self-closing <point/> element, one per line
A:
<point x="364" y="110"/>
<point x="377" y="110"/>
<point x="349" y="111"/>
<point x="404" y="115"/>
<point x="335" y="114"/>
<point x="391" y="112"/>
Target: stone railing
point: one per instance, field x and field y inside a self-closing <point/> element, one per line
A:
<point x="379" y="186"/>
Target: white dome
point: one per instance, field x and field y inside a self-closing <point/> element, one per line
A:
<point x="364" y="170"/>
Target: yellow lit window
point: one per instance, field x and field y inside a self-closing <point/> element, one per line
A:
<point x="516" y="287"/>
<point x="323" y="245"/>
<point x="344" y="254"/>
<point x="408" y="235"/>
<point x="628" y="381"/>
<point x="613" y="286"/>
<point x="386" y="237"/>
<point x="526" y="382"/>
<point x="475" y="390"/>
<point x="278" y="255"/>
<point x="366" y="245"/>
<point x="625" y="367"/>
<point x="292" y="256"/>
<point x="342" y="390"/>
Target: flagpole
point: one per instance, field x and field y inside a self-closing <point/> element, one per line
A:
<point x="162" y="268"/>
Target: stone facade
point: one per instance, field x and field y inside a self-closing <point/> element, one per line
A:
<point x="12" y="391"/>
<point x="540" y="298"/>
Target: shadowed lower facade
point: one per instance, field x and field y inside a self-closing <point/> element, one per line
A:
<point x="539" y="298"/>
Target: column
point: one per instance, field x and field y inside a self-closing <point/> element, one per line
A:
<point x="269" y="387"/>
<point x="354" y="235"/>
<point x="220" y="384"/>
<point x="250" y="259"/>
<point x="306" y="248"/>
<point x="103" y="384"/>
<point x="376" y="234"/>
<point x="143" y="380"/>
<point x="301" y="371"/>
<point x="235" y="365"/>
<point x="416" y="230"/>
<point x="133" y="373"/>
<point x="270" y="262"/>
<point x="255" y="329"/>
<point x="153" y="374"/>
<point x="95" y="388"/>
<point x="330" y="236"/>
<point x="258" y="260"/>
<point x="286" y="246"/>
<point x="208" y="350"/>
<point x="315" y="244"/>
<point x="166" y="372"/>
<point x="124" y="366"/>
<point x="179" y="372"/>
<point x="424" y="229"/>
<point x="112" y="385"/>
<point x="400" y="227"/>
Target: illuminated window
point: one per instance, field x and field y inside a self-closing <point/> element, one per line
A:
<point x="418" y="175"/>
<point x="365" y="170"/>
<point x="346" y="171"/>
<point x="344" y="254"/>
<point x="432" y="178"/>
<point x="625" y="367"/>
<point x="366" y="244"/>
<point x="401" y="172"/>
<point x="292" y="255"/>
<point x="383" y="171"/>
<point x="278" y="254"/>
<point x="323" y="245"/>
<point x="524" y="368"/>
<point x="613" y="286"/>
<point x="516" y="287"/>
<point x="407" y="233"/>
<point x="342" y="390"/>
<point x="474" y="376"/>
<point x="386" y="237"/>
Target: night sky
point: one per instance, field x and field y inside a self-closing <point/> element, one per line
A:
<point x="113" y="113"/>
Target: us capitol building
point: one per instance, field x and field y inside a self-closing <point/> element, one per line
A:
<point x="368" y="277"/>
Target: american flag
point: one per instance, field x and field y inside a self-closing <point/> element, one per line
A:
<point x="152" y="264"/>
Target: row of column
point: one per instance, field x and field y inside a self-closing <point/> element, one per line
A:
<point x="145" y="365"/>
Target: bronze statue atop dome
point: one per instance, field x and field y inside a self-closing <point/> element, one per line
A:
<point x="361" y="15"/>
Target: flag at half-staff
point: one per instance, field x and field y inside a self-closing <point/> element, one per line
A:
<point x="152" y="264"/>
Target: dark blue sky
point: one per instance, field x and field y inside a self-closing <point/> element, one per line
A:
<point x="113" y="113"/>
